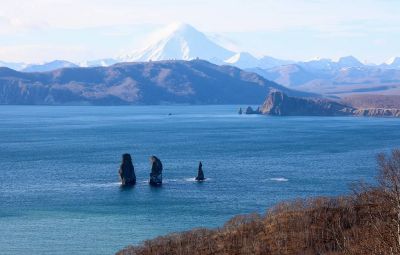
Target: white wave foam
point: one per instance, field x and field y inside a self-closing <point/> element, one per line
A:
<point x="193" y="179"/>
<point x="280" y="179"/>
<point x="95" y="185"/>
<point x="164" y="181"/>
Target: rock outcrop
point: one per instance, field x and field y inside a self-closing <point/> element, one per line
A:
<point x="377" y="112"/>
<point x="200" y="173"/>
<point x="250" y="110"/>
<point x="280" y="104"/>
<point x="156" y="171"/>
<point x="127" y="171"/>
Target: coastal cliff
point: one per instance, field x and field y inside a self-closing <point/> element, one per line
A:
<point x="377" y="112"/>
<point x="280" y="104"/>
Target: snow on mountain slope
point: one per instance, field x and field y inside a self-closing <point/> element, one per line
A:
<point x="270" y="62"/>
<point x="15" y="66"/>
<point x="179" y="41"/>
<point x="320" y="64"/>
<point x="242" y="60"/>
<point x="326" y="64"/>
<point x="50" y="66"/>
<point x="98" y="62"/>
<point x="393" y="62"/>
<point x="246" y="60"/>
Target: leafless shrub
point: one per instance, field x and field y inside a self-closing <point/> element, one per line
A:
<point x="366" y="222"/>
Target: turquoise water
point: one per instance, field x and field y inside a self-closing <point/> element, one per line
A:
<point x="59" y="191"/>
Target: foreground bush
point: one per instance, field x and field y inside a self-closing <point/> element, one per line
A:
<point x="367" y="222"/>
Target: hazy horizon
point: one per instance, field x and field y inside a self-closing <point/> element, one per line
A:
<point x="41" y="30"/>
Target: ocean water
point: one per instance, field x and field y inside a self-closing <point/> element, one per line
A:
<point x="59" y="190"/>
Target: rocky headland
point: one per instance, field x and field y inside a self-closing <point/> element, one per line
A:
<point x="280" y="104"/>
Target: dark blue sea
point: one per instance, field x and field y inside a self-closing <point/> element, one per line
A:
<point x="59" y="190"/>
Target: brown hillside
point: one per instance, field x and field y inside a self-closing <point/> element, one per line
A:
<point x="373" y="101"/>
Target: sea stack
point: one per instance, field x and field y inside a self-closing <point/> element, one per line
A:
<point x="127" y="171"/>
<point x="200" y="173"/>
<point x="156" y="171"/>
<point x="250" y="110"/>
<point x="240" y="111"/>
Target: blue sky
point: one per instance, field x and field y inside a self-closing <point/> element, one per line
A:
<point x="76" y="30"/>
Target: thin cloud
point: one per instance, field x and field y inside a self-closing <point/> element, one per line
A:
<point x="42" y="21"/>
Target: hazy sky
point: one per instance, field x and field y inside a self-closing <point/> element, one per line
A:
<point x="76" y="30"/>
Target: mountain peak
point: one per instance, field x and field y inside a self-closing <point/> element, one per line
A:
<point x="178" y="41"/>
<point x="394" y="61"/>
<point x="347" y="58"/>
<point x="240" y="55"/>
<point x="243" y="60"/>
<point x="349" y="61"/>
<point x="49" y="66"/>
<point x="179" y="26"/>
<point x="174" y="29"/>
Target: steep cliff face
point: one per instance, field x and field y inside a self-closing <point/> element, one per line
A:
<point x="280" y="104"/>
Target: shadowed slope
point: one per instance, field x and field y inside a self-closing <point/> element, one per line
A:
<point x="188" y="82"/>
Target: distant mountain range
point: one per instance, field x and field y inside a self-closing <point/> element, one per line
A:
<point x="156" y="82"/>
<point x="180" y="41"/>
<point x="333" y="78"/>
<point x="13" y="65"/>
<point x="56" y="64"/>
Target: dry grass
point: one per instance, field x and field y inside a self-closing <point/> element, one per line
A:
<point x="373" y="101"/>
<point x="366" y="222"/>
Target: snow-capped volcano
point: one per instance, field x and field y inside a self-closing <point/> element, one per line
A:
<point x="179" y="41"/>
